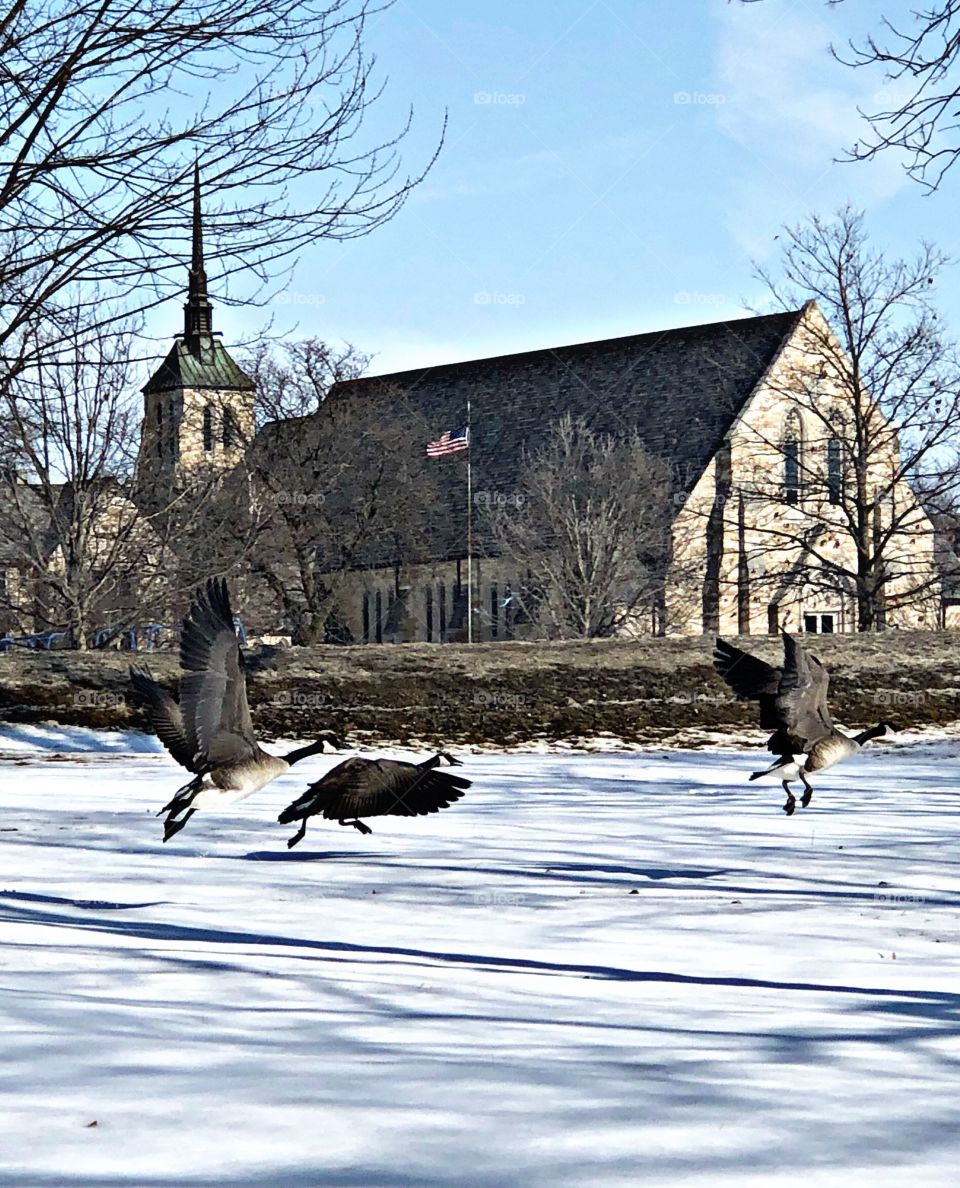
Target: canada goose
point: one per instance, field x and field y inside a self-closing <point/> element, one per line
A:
<point x="793" y="703"/>
<point x="209" y="732"/>
<point x="376" y="788"/>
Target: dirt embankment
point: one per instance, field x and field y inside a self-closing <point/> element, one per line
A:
<point x="503" y="694"/>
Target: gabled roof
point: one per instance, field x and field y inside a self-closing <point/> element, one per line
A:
<point x="679" y="389"/>
<point x="208" y="365"/>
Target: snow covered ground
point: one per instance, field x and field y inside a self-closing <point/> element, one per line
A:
<point x="594" y="970"/>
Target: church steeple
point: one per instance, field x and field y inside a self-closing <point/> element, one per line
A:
<point x="199" y="404"/>
<point x="198" y="312"/>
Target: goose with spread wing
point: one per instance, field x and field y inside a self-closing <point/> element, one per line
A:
<point x="793" y="704"/>
<point x="374" y="788"/>
<point x="209" y="730"/>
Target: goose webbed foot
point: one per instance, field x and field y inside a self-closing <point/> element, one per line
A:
<point x="171" y="827"/>
<point x="357" y="825"/>
<point x="298" y="836"/>
<point x="790" y="807"/>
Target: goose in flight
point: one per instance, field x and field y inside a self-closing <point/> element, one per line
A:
<point x="793" y="704"/>
<point x="375" y="788"/>
<point x="209" y="731"/>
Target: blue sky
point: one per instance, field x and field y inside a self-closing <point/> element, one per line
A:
<point x="611" y="167"/>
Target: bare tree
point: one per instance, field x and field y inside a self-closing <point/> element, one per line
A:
<point x="104" y="108"/>
<point x="588" y="525"/>
<point x="921" y="50"/>
<point x="845" y="483"/>
<point x="336" y="484"/>
<point x="76" y="542"/>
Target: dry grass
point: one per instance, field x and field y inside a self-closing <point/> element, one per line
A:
<point x="504" y="693"/>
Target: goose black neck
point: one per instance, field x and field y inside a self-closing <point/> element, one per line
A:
<point x="873" y="732"/>
<point x="303" y="752"/>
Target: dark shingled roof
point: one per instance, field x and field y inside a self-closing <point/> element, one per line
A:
<point x="679" y="389"/>
<point x="206" y="365"/>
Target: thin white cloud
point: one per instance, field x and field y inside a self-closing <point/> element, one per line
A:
<point x="793" y="110"/>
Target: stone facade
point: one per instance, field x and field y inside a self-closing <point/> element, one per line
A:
<point x="736" y="534"/>
<point x="188" y="429"/>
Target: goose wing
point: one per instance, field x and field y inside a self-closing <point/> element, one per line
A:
<point x="375" y="788"/>
<point x="801" y="701"/>
<point x="751" y="678"/>
<point x="164" y="715"/>
<point x="213" y="688"/>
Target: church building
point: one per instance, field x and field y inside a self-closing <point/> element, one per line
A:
<point x="756" y="477"/>
<point x="757" y="481"/>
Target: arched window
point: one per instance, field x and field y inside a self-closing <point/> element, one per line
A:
<point x="231" y="434"/>
<point x="792" y="449"/>
<point x="208" y="428"/>
<point x="379" y="617"/>
<point x="834" y="470"/>
<point x="159" y="442"/>
<point x="174" y="445"/>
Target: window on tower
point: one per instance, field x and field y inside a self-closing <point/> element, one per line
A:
<point x="231" y="431"/>
<point x="208" y="428"/>
<point x="159" y="441"/>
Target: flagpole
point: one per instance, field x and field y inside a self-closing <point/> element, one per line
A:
<point x="469" y="531"/>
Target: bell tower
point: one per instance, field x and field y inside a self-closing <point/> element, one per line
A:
<point x="198" y="405"/>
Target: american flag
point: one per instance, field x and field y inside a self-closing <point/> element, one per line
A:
<point x="449" y="443"/>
